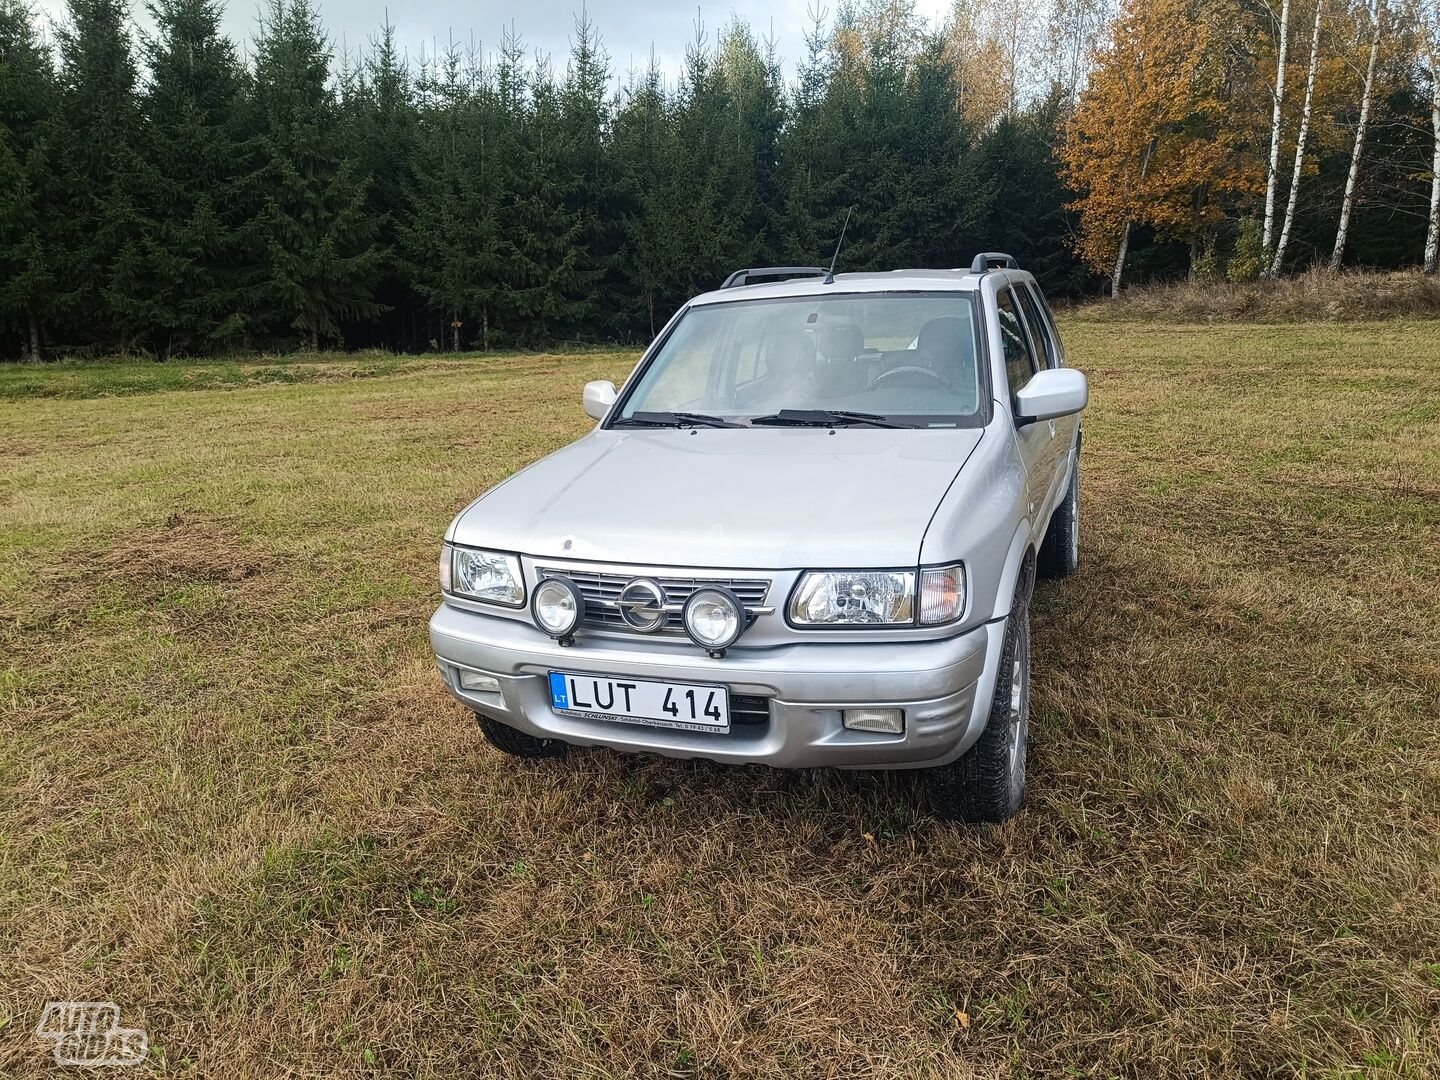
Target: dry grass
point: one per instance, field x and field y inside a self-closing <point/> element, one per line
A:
<point x="1316" y="296"/>
<point x="234" y="799"/>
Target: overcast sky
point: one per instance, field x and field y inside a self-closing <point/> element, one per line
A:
<point x="628" y="30"/>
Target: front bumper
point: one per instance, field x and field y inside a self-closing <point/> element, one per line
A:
<point x="944" y="686"/>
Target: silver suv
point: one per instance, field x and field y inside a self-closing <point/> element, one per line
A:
<point x="804" y="533"/>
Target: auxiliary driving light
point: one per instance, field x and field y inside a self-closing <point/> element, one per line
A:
<point x="714" y="618"/>
<point x="557" y="608"/>
<point x="888" y="721"/>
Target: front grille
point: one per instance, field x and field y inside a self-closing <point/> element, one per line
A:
<point x="601" y="590"/>
<point x="748" y="709"/>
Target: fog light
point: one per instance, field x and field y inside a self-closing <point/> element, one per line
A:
<point x="473" y="680"/>
<point x="890" y="721"/>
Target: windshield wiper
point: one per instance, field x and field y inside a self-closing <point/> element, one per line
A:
<point x="826" y="418"/>
<point x="673" y="419"/>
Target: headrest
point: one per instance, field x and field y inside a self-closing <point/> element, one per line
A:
<point x="839" y="340"/>
<point x="949" y="335"/>
<point x="793" y="353"/>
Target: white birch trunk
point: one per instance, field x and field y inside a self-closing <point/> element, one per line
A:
<point x="1430" y="28"/>
<point x="1347" y="204"/>
<point x="1125" y="233"/>
<point x="1120" y="262"/>
<point x="1272" y="175"/>
<point x="1300" y="144"/>
<point x="1432" y="235"/>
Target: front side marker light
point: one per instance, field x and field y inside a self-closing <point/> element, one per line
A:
<point x="557" y="607"/>
<point x="886" y="721"/>
<point x="942" y="594"/>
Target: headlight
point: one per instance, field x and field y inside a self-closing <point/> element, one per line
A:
<point x="491" y="576"/>
<point x="557" y="607"/>
<point x="879" y="597"/>
<point x="866" y="597"/>
<point x="713" y="617"/>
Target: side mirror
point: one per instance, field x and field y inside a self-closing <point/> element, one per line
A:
<point x="598" y="397"/>
<point x="1051" y="393"/>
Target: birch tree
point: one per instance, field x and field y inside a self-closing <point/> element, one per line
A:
<point x="1367" y="94"/>
<point x="1154" y="139"/>
<point x="1300" y="141"/>
<point x="1274" y="170"/>
<point x="1428" y="21"/>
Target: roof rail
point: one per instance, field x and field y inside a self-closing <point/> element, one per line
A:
<point x="742" y="277"/>
<point x="993" y="260"/>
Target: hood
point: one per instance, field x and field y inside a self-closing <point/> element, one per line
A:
<point x="727" y="498"/>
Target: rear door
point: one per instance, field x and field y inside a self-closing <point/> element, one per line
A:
<point x="1034" y="440"/>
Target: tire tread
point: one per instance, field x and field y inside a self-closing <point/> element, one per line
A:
<point x="517" y="743"/>
<point x="976" y="787"/>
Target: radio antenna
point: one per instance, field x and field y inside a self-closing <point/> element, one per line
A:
<point x="830" y="274"/>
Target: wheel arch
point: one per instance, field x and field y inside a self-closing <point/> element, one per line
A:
<point x="1018" y="573"/>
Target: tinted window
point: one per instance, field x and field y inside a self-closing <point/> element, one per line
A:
<point x="1039" y="328"/>
<point x="1019" y="364"/>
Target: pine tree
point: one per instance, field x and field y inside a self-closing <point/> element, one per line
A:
<point x="194" y="278"/>
<point x="1015" y="177"/>
<point x="719" y="152"/>
<point x="750" y="74"/>
<point x="316" y="241"/>
<point x="381" y="129"/>
<point x="99" y="178"/>
<point x="587" y="119"/>
<point x="547" y="279"/>
<point x="811" y="166"/>
<point x="656" y="192"/>
<point x="449" y="242"/>
<point x="27" y="217"/>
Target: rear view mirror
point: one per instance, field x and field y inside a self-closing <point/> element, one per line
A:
<point x="598" y="397"/>
<point x="1051" y="393"/>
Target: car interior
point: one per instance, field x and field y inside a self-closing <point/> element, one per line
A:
<point x="829" y="365"/>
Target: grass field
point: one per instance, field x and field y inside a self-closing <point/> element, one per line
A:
<point x="235" y="800"/>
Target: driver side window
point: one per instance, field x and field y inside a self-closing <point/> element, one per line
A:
<point x="1019" y="361"/>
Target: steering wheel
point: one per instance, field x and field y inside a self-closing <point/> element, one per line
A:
<point x="912" y="369"/>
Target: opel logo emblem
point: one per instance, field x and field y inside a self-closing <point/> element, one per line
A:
<point x="642" y="605"/>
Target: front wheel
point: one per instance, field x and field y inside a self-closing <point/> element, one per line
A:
<point x="1060" y="553"/>
<point x="987" y="784"/>
<point x="517" y="743"/>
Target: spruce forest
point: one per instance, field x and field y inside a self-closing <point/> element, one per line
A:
<point x="168" y="191"/>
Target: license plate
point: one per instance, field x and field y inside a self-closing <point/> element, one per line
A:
<point x="688" y="706"/>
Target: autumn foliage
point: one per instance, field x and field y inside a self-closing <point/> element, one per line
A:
<point x="1154" y="139"/>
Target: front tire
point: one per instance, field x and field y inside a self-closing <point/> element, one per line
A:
<point x="517" y="743"/>
<point x="1060" y="553"/>
<point x="987" y="784"/>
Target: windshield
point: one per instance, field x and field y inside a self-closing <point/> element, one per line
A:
<point x="884" y="359"/>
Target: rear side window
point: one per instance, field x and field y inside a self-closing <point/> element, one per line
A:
<point x="1019" y="363"/>
<point x="1039" y="327"/>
